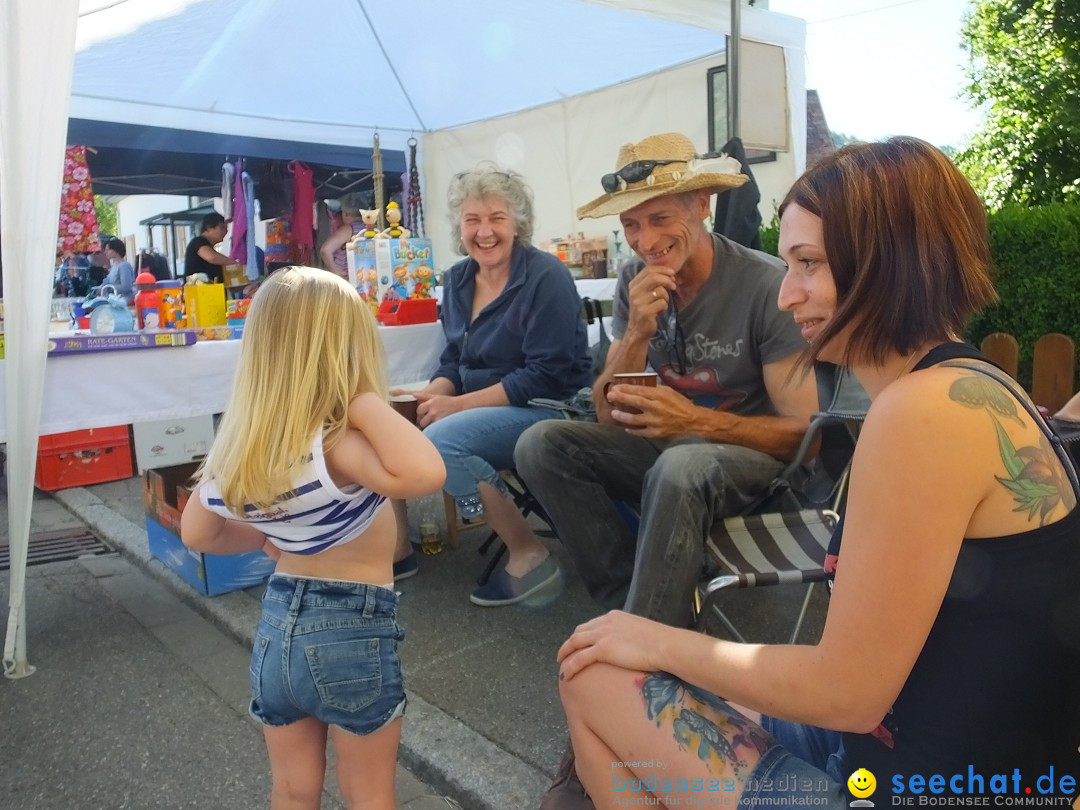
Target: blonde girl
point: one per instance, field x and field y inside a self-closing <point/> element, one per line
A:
<point x="307" y="453"/>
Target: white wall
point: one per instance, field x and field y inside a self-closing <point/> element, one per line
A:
<point x="133" y="209"/>
<point x="564" y="148"/>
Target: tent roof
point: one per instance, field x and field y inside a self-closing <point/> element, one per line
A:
<point x="337" y="71"/>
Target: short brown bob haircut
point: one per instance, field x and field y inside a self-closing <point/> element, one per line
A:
<point x="906" y="239"/>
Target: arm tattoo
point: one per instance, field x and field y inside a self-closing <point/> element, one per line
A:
<point x="1035" y="478"/>
<point x="703" y="721"/>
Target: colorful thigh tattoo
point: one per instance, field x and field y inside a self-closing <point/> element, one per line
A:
<point x="699" y="720"/>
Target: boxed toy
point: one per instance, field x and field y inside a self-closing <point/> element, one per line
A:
<point x="392" y="269"/>
<point x="81" y="344"/>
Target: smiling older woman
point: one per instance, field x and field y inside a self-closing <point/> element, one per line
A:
<point x="514" y="333"/>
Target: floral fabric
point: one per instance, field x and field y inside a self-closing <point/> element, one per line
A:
<point x="78" y="219"/>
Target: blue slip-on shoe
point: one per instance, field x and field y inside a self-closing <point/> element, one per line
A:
<point x="406" y="567"/>
<point x="504" y="589"/>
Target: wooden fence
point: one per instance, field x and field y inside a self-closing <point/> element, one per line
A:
<point x="1053" y="365"/>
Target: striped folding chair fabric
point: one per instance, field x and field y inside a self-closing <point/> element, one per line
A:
<point x="787" y="546"/>
<point x="781" y="548"/>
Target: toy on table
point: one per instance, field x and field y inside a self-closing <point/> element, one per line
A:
<point x="370" y="218"/>
<point x="395" y="229"/>
<point x="147" y="302"/>
<point x="109" y="313"/>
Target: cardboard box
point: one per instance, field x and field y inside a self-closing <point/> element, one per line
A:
<point x="172" y="441"/>
<point x="161" y="489"/>
<point x="205" y="304"/>
<point x="209" y="574"/>
<point x="83" y="344"/>
<point x="235" y="275"/>
<point x="400" y="269"/>
<point x="79" y="458"/>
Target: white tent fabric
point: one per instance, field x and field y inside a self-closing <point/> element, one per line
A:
<point x="36" y="40"/>
<point x="337" y="71"/>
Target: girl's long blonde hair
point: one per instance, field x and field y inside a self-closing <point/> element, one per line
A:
<point x="310" y="347"/>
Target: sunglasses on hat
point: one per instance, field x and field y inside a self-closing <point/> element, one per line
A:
<point x="632" y="173"/>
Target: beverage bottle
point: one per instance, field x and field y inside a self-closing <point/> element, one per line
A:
<point x="147" y="302"/>
<point x="430" y="541"/>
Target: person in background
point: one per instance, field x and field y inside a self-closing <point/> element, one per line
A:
<point x="72" y="285"/>
<point x="121" y="274"/>
<point x="514" y="333"/>
<point x="201" y="256"/>
<point x="99" y="268"/>
<point x="332" y="250"/>
<point x="306" y="455"/>
<point x="950" y="644"/>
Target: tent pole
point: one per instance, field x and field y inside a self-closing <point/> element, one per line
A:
<point x="380" y="193"/>
<point x="733" y="69"/>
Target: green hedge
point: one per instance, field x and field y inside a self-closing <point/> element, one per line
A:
<point x="1037" y="256"/>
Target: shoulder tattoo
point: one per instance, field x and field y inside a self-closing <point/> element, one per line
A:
<point x="1034" y="476"/>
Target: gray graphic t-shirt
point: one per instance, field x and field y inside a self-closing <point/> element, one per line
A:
<point x="712" y="351"/>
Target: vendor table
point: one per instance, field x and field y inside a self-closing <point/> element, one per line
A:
<point x="142" y="385"/>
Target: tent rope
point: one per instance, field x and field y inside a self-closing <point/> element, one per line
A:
<point x="415" y="200"/>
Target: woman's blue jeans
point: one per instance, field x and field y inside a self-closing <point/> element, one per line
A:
<point x="476" y="444"/>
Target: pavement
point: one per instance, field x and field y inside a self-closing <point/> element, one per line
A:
<point x="153" y="677"/>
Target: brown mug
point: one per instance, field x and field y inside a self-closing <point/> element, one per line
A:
<point x="645" y="378"/>
<point x="406" y="405"/>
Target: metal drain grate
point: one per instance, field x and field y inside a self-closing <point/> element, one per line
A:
<point x="47" y="547"/>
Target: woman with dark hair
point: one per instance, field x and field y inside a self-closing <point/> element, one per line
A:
<point x="950" y="653"/>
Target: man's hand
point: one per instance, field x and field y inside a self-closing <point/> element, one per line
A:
<point x="649" y="292"/>
<point x="434" y="407"/>
<point x="665" y="413"/>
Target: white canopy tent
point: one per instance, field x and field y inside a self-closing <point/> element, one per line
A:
<point x="453" y="75"/>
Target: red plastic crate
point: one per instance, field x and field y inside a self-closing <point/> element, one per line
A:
<point x="81" y="457"/>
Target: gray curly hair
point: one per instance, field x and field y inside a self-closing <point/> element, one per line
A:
<point x="488" y="180"/>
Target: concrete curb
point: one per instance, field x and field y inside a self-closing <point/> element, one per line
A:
<point x="437" y="748"/>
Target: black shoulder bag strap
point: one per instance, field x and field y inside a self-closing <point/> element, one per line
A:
<point x="1010" y="386"/>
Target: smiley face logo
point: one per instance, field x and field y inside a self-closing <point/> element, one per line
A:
<point x="862" y="783"/>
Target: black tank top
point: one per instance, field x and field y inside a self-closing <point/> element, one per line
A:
<point x="997" y="684"/>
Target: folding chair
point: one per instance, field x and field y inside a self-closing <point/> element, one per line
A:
<point x="783" y="539"/>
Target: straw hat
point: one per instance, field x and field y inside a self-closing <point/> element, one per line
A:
<point x="683" y="171"/>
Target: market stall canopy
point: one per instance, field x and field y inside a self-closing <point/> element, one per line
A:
<point x="137" y="159"/>
<point x="336" y="72"/>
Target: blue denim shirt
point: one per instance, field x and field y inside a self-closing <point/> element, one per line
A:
<point x="531" y="338"/>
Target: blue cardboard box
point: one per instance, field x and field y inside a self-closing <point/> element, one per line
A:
<point x="209" y="574"/>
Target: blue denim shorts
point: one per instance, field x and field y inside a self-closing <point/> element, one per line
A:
<point x="328" y="650"/>
<point x="805" y="767"/>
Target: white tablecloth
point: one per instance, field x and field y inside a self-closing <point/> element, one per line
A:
<point x="119" y="388"/>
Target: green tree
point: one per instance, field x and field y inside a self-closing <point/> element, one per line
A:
<point x="106" y="215"/>
<point x="1023" y="64"/>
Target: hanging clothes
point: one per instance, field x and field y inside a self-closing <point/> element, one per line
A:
<point x="303" y="216"/>
<point x="251" y="267"/>
<point x="238" y="250"/>
<point x="78" y="218"/>
<point x="736" y="214"/>
<point x="228" y="180"/>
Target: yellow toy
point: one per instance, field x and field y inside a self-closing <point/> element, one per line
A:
<point x="394" y="230"/>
